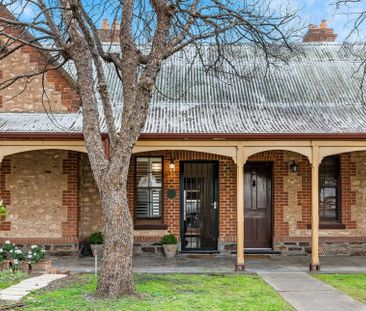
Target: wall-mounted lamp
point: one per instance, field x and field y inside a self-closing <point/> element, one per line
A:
<point x="172" y="166"/>
<point x="293" y="167"/>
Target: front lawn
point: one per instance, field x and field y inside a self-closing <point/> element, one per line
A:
<point x="8" y="278"/>
<point x="165" y="292"/>
<point x="353" y="285"/>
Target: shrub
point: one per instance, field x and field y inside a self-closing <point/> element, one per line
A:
<point x="8" y="248"/>
<point x="10" y="252"/>
<point x="96" y="238"/>
<point x="169" y="239"/>
<point x="36" y="254"/>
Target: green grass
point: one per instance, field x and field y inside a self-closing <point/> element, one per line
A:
<point x="166" y="292"/>
<point x="353" y="285"/>
<point x="8" y="278"/>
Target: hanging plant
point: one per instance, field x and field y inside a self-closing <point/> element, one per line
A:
<point x="3" y="210"/>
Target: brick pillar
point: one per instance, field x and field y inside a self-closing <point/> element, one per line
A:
<point x="348" y="197"/>
<point x="5" y="169"/>
<point x="70" y="197"/>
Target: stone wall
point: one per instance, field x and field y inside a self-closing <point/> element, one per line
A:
<point x="41" y="195"/>
<point x="35" y="184"/>
<point x="91" y="216"/>
<point x="26" y="94"/>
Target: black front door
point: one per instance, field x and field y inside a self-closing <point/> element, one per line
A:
<point x="199" y="205"/>
<point x="258" y="205"/>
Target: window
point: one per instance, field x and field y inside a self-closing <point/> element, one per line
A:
<point x="149" y="177"/>
<point x="329" y="189"/>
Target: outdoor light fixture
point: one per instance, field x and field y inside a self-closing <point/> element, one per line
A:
<point x="293" y="167"/>
<point x="172" y="166"/>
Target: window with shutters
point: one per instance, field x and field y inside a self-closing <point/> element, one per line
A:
<point x="329" y="189"/>
<point x="149" y="187"/>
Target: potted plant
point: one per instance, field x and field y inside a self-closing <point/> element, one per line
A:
<point x="35" y="260"/>
<point x="12" y="256"/>
<point x="7" y="255"/>
<point x="96" y="243"/>
<point x="169" y="242"/>
<point x="3" y="263"/>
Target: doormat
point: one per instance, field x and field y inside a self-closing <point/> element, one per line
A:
<point x="205" y="256"/>
<point x="257" y="256"/>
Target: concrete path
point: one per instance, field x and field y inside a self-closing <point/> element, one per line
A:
<point x="18" y="291"/>
<point x="306" y="293"/>
<point x="222" y="264"/>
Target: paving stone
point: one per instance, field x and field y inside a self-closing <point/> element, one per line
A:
<point x="18" y="291"/>
<point x="305" y="293"/>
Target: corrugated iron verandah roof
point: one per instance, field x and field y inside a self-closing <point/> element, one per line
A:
<point x="317" y="93"/>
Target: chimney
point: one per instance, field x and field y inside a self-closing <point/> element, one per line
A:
<point x="105" y="24"/>
<point x="320" y="33"/>
<point x="108" y="34"/>
<point x="115" y="25"/>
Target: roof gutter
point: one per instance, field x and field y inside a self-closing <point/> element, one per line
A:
<point x="186" y="136"/>
<point x="223" y="136"/>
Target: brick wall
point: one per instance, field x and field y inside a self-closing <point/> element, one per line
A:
<point x="227" y="191"/>
<point x="348" y="197"/>
<point x="70" y="196"/>
<point x="5" y="169"/>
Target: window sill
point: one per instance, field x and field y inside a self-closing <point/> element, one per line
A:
<point x="330" y="226"/>
<point x="150" y="227"/>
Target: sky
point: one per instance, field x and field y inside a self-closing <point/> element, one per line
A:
<point x="314" y="11"/>
<point x="310" y="12"/>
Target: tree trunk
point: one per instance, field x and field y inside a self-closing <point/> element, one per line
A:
<point x="116" y="277"/>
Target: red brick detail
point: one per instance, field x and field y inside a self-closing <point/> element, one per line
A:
<point x="322" y="239"/>
<point x="5" y="225"/>
<point x="171" y="207"/>
<point x="69" y="97"/>
<point x="70" y="197"/>
<point x="41" y="241"/>
<point x="348" y="197"/>
<point x="5" y="169"/>
<point x="146" y="238"/>
<point x="304" y="195"/>
<point x="320" y="33"/>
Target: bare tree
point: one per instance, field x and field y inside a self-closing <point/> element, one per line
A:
<point x="151" y="31"/>
<point x="354" y="14"/>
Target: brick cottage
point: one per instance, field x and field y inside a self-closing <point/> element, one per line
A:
<point x="273" y="164"/>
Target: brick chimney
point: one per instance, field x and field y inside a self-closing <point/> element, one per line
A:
<point x="320" y="33"/>
<point x="108" y="34"/>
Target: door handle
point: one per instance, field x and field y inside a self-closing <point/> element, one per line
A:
<point x="214" y="204"/>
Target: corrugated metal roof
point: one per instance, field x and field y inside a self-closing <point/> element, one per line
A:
<point x="317" y="92"/>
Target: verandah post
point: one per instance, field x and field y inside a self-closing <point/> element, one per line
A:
<point x="315" y="264"/>
<point x="240" y="161"/>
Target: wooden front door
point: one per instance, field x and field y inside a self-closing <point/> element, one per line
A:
<point x="258" y="205"/>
